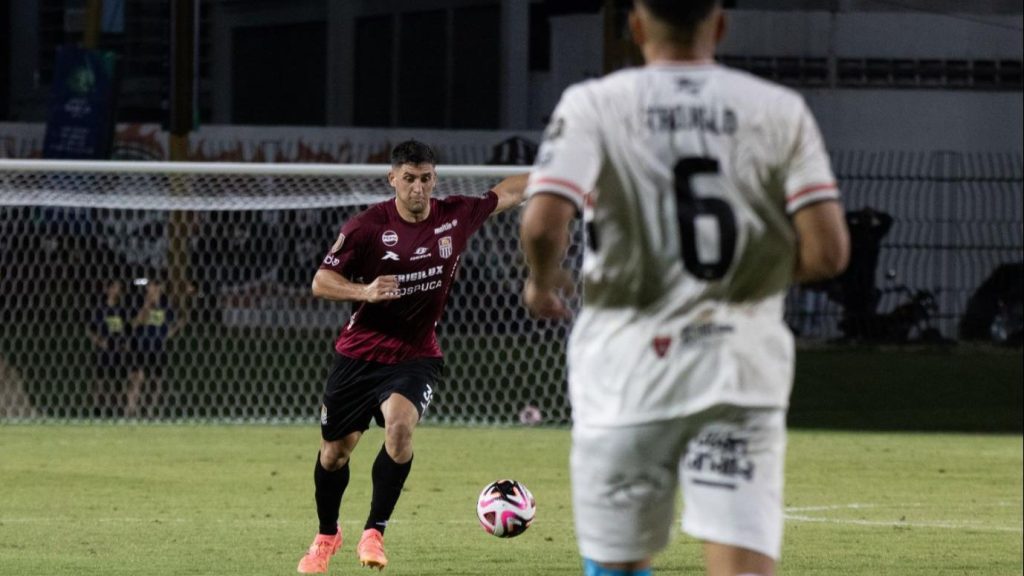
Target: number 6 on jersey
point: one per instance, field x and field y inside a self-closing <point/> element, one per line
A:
<point x="707" y="225"/>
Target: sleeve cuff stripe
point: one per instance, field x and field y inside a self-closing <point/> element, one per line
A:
<point x="810" y="190"/>
<point x="571" y="186"/>
<point x="794" y="207"/>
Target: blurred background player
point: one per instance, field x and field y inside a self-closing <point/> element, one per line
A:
<point x="152" y="326"/>
<point x="396" y="262"/>
<point x="706" y="192"/>
<point x="108" y="333"/>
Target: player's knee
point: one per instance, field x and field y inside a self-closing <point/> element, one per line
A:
<point x="398" y="435"/>
<point x="333" y="455"/>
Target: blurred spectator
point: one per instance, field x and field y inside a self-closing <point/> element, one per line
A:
<point x="108" y="332"/>
<point x="152" y="326"/>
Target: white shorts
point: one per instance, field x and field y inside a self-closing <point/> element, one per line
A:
<point x="729" y="462"/>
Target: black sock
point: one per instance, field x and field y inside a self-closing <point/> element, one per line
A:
<point x="330" y="486"/>
<point x="388" y="479"/>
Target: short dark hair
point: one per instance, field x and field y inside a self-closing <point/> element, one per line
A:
<point x="684" y="15"/>
<point x="413" y="152"/>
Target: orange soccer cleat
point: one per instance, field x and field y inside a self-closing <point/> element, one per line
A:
<point x="319" y="555"/>
<point x="371" y="549"/>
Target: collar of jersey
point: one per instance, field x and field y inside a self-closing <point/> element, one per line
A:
<point x="691" y="64"/>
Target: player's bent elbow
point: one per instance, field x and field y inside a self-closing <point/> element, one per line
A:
<point x="318" y="287"/>
<point x="823" y="264"/>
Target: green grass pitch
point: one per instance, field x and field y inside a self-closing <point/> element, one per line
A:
<point x="224" y="500"/>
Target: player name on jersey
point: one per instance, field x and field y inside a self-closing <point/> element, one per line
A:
<point x="716" y="120"/>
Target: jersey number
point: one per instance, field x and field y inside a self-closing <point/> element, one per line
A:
<point x="691" y="209"/>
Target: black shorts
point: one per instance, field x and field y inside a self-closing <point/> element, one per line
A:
<point x="110" y="365"/>
<point x="150" y="361"/>
<point x="356" y="388"/>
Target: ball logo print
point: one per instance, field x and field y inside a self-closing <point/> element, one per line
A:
<point x="505" y="508"/>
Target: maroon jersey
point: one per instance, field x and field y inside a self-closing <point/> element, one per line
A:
<point x="424" y="256"/>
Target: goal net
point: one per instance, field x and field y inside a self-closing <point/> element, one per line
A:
<point x="234" y="248"/>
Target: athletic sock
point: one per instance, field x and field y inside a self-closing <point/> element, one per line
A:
<point x="330" y="487"/>
<point x="591" y="568"/>
<point x="388" y="478"/>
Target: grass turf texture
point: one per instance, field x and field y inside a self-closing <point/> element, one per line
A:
<point x="174" y="500"/>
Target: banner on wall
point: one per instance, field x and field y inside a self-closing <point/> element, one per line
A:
<point x="83" y="100"/>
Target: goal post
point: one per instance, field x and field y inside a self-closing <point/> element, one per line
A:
<point x="247" y="341"/>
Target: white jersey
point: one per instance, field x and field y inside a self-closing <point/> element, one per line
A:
<point x="686" y="175"/>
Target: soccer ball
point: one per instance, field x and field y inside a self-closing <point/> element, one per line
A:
<point x="505" y="508"/>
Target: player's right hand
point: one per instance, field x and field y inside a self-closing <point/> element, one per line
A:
<point x="381" y="289"/>
<point x="548" y="302"/>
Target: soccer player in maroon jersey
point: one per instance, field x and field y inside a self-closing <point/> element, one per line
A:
<point x="396" y="262"/>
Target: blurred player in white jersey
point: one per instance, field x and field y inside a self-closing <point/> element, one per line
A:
<point x="705" y="192"/>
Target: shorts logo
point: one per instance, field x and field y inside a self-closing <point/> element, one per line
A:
<point x="389" y="238"/>
<point x="323" y="415"/>
<point x="444" y="246"/>
<point x="428" y="394"/>
<point x="719" y="458"/>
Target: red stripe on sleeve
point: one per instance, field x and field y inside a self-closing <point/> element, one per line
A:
<point x="811" y="190"/>
<point x="559" y="182"/>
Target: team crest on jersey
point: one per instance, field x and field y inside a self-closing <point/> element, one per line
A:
<point x="389" y="238"/>
<point x="661" y="345"/>
<point x="444" y="246"/>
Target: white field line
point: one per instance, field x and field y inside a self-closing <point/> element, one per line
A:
<point x="792" y="515"/>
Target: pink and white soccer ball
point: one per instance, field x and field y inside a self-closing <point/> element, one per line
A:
<point x="505" y="508"/>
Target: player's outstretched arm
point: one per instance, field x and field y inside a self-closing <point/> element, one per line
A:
<point x="510" y="192"/>
<point x="823" y="242"/>
<point x="544" y="233"/>
<point x="330" y="285"/>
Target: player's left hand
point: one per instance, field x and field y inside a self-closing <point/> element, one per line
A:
<point x="548" y="302"/>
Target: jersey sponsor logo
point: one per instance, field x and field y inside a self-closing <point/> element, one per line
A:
<point x="421" y="253"/>
<point x="444" y="246"/>
<point x="661" y="345"/>
<point x="115" y="324"/>
<point x="413" y="282"/>
<point x="331" y="260"/>
<point x="338" y="243"/>
<point x="689" y="85"/>
<point x="704" y="330"/>
<point x="389" y="238"/>
<point x="446" y="226"/>
<point x="389" y="255"/>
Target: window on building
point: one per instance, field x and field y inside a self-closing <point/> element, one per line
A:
<point x="540" y="38"/>
<point x="422" y="68"/>
<point x="429" y="69"/>
<point x="373" y="71"/>
<point x="278" y="74"/>
<point x="476" y="67"/>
